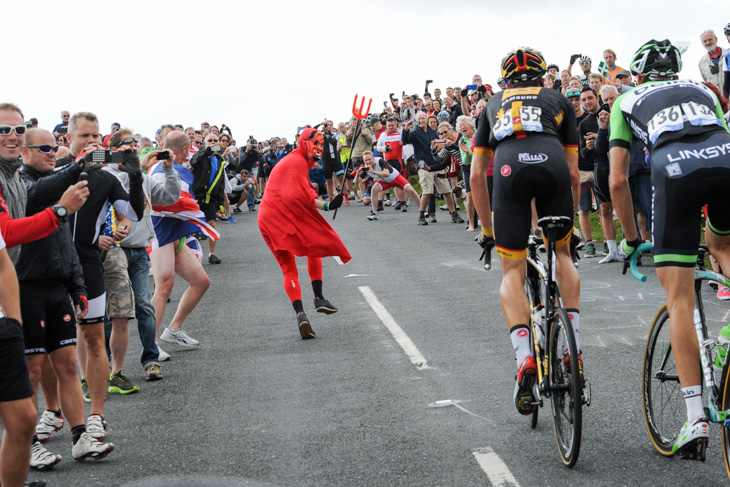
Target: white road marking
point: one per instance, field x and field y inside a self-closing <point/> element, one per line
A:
<point x="400" y="336"/>
<point x="338" y="260"/>
<point x="494" y="467"/>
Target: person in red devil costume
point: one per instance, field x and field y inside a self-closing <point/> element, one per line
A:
<point x="291" y="225"/>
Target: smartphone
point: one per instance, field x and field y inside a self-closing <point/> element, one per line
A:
<point x="215" y="148"/>
<point x="471" y="87"/>
<point x="163" y="155"/>
<point x="606" y="108"/>
<point x="105" y="156"/>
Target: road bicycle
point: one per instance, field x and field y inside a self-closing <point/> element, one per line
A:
<point x="664" y="406"/>
<point x="560" y="375"/>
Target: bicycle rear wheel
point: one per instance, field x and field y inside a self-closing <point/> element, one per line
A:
<point x="664" y="408"/>
<point x="725" y="404"/>
<point x="566" y="384"/>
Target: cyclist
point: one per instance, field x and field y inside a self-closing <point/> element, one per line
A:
<point x="531" y="132"/>
<point x="682" y="126"/>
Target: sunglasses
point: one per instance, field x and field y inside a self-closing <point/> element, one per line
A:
<point x="46" y="149"/>
<point x="212" y="140"/>
<point x="195" y="142"/>
<point x="6" y="129"/>
<point x="128" y="140"/>
<point x="225" y="140"/>
<point x="443" y="133"/>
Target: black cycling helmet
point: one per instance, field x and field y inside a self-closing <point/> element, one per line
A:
<point x="657" y="59"/>
<point x="727" y="29"/>
<point x="524" y="64"/>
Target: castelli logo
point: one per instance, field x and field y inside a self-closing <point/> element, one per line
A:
<point x="522" y="333"/>
<point x="43" y="323"/>
<point x="571" y="316"/>
<point x="67" y="318"/>
<point x="506" y="170"/>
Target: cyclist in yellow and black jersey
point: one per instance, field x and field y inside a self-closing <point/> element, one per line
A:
<point x="531" y="133"/>
<point x="682" y="126"/>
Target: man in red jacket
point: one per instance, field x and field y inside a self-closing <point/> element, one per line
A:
<point x="291" y="225"/>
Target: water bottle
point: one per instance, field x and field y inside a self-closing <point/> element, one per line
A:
<point x="539" y="321"/>
<point x="723" y="344"/>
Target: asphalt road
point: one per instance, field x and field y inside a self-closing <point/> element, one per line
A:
<point x="255" y="405"/>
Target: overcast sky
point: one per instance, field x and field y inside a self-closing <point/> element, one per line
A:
<point x="266" y="67"/>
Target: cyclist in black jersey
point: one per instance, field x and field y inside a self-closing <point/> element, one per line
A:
<point x="531" y="132"/>
<point x="682" y="126"/>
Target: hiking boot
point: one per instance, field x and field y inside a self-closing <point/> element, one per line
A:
<point x="49" y="423"/>
<point x="324" y="306"/>
<point x="590" y="251"/>
<point x="119" y="384"/>
<point x="212" y="259"/>
<point x="152" y="372"/>
<point x="179" y="337"/>
<point x="372" y="216"/>
<point x="692" y="440"/>
<point x="85" y="390"/>
<point x="305" y="329"/>
<point x="89" y="447"/>
<point x="96" y="427"/>
<point x="42" y="459"/>
<point x="526" y="374"/>
<point x="455" y="218"/>
<point x="422" y="220"/>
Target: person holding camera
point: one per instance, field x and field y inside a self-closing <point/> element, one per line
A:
<point x="384" y="177"/>
<point x="711" y="62"/>
<point x="250" y="157"/>
<point x="209" y="180"/>
<point x="243" y="189"/>
<point x="291" y="225"/>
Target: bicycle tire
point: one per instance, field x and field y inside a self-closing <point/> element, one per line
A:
<point x="664" y="407"/>
<point x="566" y="388"/>
<point x="533" y="419"/>
<point x="725" y="404"/>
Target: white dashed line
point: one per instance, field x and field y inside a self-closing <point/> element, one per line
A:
<point x="494" y="467"/>
<point x="400" y="336"/>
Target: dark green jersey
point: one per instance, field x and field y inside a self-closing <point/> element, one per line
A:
<point x="662" y="111"/>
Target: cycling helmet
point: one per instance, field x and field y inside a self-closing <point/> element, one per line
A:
<point x="727" y="29"/>
<point x="657" y="59"/>
<point x="584" y="60"/>
<point x="524" y="64"/>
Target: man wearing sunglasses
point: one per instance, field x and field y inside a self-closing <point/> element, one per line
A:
<point x="50" y="273"/>
<point x="208" y="168"/>
<point x="105" y="189"/>
<point x="65" y="116"/>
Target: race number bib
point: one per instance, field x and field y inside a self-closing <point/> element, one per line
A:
<point x="671" y="119"/>
<point x="699" y="114"/>
<point x="529" y="120"/>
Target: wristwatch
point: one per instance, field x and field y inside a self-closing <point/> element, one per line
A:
<point x="60" y="211"/>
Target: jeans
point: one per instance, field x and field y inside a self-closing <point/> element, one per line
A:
<point x="251" y="200"/>
<point x="139" y="275"/>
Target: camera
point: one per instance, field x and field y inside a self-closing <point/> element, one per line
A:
<point x="163" y="155"/>
<point x="714" y="68"/>
<point x="606" y="108"/>
<point x="388" y="148"/>
<point x="105" y="156"/>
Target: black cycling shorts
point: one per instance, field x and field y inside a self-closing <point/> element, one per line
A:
<point x="544" y="175"/>
<point x="96" y="292"/>
<point x="688" y="174"/>
<point x="332" y="167"/>
<point x="601" y="187"/>
<point x="210" y="209"/>
<point x="49" y="320"/>
<point x="14" y="378"/>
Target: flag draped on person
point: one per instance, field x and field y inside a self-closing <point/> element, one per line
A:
<point x="182" y="218"/>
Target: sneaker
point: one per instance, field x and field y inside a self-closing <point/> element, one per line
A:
<point x="566" y="362"/>
<point x="237" y="210"/>
<point x="231" y="220"/>
<point x="609" y="258"/>
<point x="590" y="250"/>
<point x="605" y="248"/>
<point x="396" y="207"/>
<point x="152" y="372"/>
<point x="692" y="440"/>
<point x="444" y="207"/>
<point x="85" y="390"/>
<point x="380" y="206"/>
<point x="96" y="427"/>
<point x="89" y="447"/>
<point x="324" y="306"/>
<point x="179" y="337"/>
<point x="346" y="203"/>
<point x="404" y="206"/>
<point x="455" y="218"/>
<point x="723" y="293"/>
<point x="372" y="216"/>
<point x="212" y="259"/>
<point x="422" y="220"/>
<point x="163" y="356"/>
<point x="432" y="219"/>
<point x="119" y="384"/>
<point x="526" y="374"/>
<point x="305" y="329"/>
<point x="35" y="483"/>
<point x="42" y="459"/>
<point x="48" y="424"/>
<point x="581" y="245"/>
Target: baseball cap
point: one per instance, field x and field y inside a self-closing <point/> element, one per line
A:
<point x="571" y="92"/>
<point x="623" y="72"/>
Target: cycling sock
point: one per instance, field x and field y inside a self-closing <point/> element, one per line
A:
<point x="612" y="250"/>
<point x="520" y="336"/>
<point x="77" y="431"/>
<point x="574" y="315"/>
<point x="317" y="288"/>
<point x="693" y="400"/>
